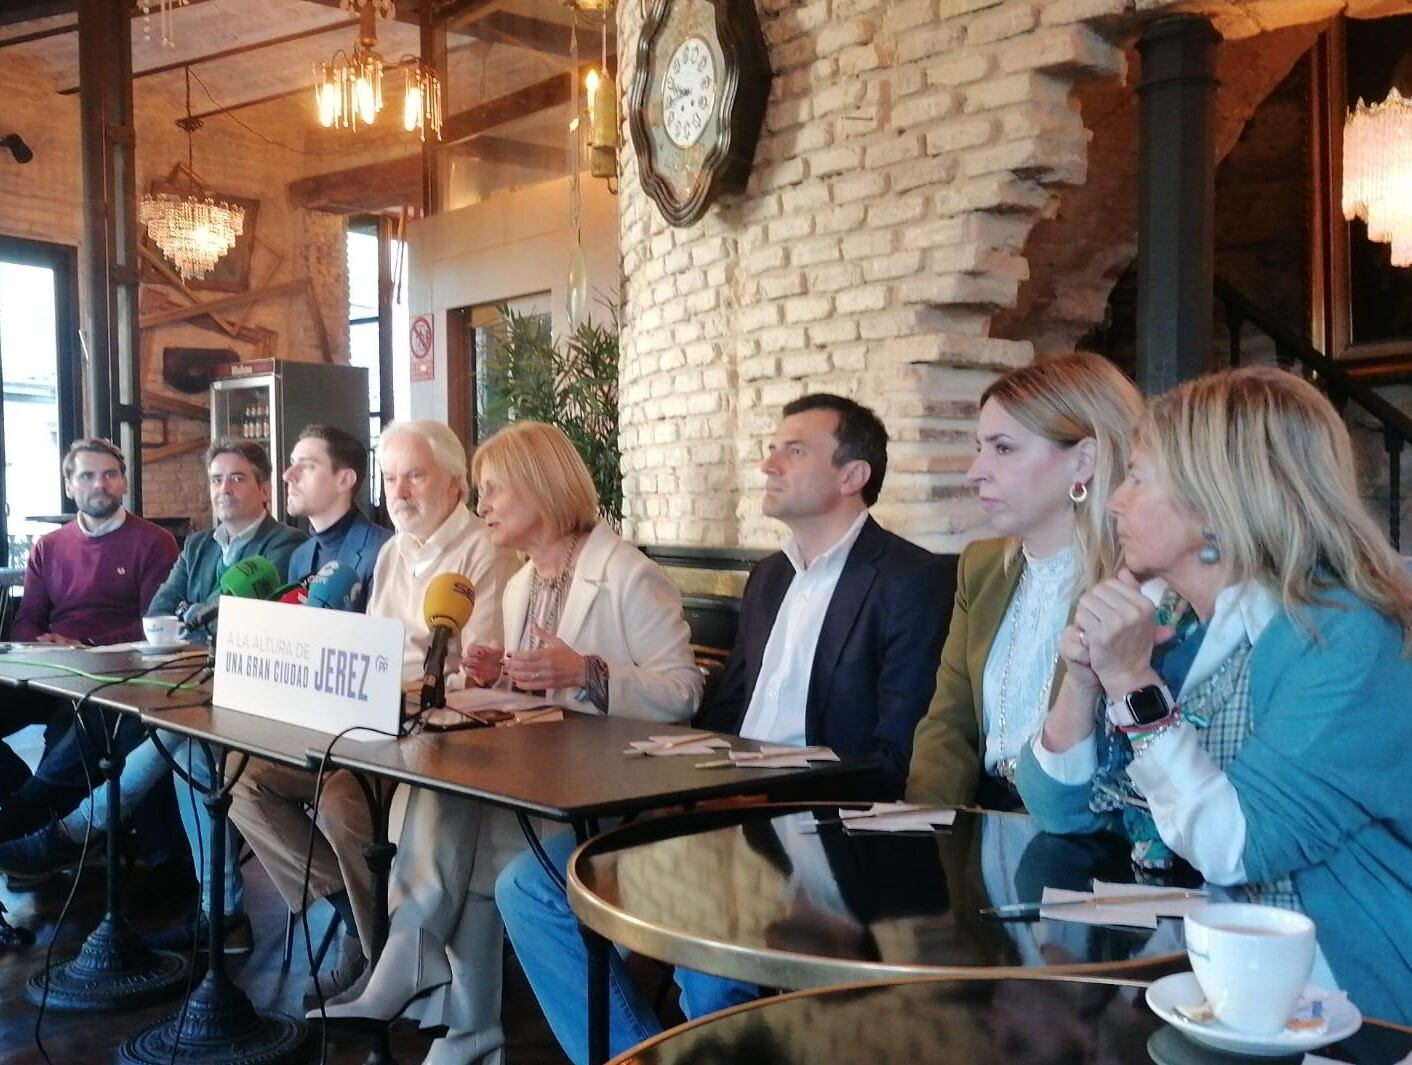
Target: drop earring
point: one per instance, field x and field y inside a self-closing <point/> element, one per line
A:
<point x="1078" y="492"/>
<point x="1210" y="553"/>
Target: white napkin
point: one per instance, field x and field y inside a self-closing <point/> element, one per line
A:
<point x="896" y="817"/>
<point x="688" y="743"/>
<point x="1136" y="914"/>
<point x="781" y="756"/>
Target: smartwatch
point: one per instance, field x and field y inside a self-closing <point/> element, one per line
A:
<point x="1148" y="705"/>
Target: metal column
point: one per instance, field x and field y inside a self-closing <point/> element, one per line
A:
<point x="110" y="264"/>
<point x="1177" y="194"/>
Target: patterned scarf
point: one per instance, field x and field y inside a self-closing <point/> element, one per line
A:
<point x="1219" y="708"/>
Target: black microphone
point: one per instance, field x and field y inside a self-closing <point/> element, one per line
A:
<point x="447" y="607"/>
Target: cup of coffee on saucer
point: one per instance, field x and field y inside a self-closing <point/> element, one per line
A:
<point x="162" y="630"/>
<point x="1252" y="962"/>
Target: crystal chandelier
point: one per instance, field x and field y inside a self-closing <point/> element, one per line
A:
<point x="164" y="19"/>
<point x="192" y="229"/>
<point x="1377" y="172"/>
<point x="348" y="88"/>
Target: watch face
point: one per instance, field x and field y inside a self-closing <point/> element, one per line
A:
<point x="689" y="92"/>
<point x="1148" y="705"/>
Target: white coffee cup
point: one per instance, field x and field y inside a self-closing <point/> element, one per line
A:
<point x="162" y="629"/>
<point x="1252" y="962"/>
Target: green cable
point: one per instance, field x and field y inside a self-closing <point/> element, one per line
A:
<point x="75" y="671"/>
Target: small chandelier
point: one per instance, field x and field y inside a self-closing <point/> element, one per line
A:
<point x="1377" y="172"/>
<point x="192" y="229"/>
<point x="348" y="88"/>
<point x="164" y="19"/>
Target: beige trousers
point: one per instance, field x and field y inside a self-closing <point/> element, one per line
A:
<point x="449" y="852"/>
<point x="269" y="804"/>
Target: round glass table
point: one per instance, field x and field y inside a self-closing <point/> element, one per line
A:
<point x="782" y="896"/>
<point x="1038" y="1020"/>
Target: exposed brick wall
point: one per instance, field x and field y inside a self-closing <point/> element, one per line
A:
<point x="910" y="149"/>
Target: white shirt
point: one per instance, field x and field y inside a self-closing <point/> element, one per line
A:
<point x="101" y="528"/>
<point x="1019" y="670"/>
<point x="777" y="706"/>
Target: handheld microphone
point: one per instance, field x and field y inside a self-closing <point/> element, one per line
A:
<point x="447" y="607"/>
<point x="250" y="578"/>
<point x="335" y="587"/>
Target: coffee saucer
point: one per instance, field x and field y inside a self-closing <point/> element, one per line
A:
<point x="1181" y="989"/>
<point x="147" y="647"/>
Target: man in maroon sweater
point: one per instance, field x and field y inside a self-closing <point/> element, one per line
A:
<point x="86" y="583"/>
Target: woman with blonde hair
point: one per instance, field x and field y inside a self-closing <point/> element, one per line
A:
<point x="1261" y="734"/>
<point x="1051" y="444"/>
<point x="592" y="625"/>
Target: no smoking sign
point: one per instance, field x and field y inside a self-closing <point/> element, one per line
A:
<point x="422" y="336"/>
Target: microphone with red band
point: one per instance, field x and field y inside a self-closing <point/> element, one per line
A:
<point x="446" y="607"/>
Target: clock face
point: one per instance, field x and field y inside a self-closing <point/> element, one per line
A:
<point x="689" y="92"/>
<point x="697" y="101"/>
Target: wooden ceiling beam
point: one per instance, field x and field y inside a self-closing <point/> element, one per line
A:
<point x="393" y="182"/>
<point x="240" y="49"/>
<point x="406" y="12"/>
<point x="551" y="92"/>
<point x="522" y="31"/>
<point x="38" y="35"/>
<point x="13" y="12"/>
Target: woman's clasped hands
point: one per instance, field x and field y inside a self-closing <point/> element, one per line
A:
<point x="554" y="664"/>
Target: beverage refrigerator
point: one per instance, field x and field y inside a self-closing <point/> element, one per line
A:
<point x="270" y="401"/>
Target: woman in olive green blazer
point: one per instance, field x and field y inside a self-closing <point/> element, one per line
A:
<point x="1052" y="443"/>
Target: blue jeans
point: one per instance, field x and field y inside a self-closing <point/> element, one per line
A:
<point x="552" y="954"/>
<point x="144" y="769"/>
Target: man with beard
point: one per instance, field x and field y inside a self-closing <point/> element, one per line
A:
<point x="85" y="584"/>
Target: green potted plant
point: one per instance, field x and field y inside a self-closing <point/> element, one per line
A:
<point x="571" y="383"/>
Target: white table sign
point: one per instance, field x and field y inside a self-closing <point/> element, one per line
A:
<point x="327" y="670"/>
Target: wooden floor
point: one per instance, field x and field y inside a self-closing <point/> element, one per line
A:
<point x="84" y="1038"/>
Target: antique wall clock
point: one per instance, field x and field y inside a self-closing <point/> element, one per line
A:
<point x="696" y="102"/>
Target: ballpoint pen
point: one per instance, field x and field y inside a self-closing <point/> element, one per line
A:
<point x="1025" y="909"/>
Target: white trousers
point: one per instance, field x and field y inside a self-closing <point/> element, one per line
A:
<point x="449" y="852"/>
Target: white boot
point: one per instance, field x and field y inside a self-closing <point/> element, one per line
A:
<point x="411" y="965"/>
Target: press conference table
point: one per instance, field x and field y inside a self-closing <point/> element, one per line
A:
<point x="572" y="770"/>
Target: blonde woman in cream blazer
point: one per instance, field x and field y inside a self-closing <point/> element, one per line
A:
<point x="596" y="627"/>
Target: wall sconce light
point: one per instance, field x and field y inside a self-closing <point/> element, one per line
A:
<point x="602" y="124"/>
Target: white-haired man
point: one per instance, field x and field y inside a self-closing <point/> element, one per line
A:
<point x="424" y="484"/>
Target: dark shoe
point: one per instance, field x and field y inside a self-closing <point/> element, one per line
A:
<point x="36" y="857"/>
<point x="344" y="974"/>
<point x="239" y="936"/>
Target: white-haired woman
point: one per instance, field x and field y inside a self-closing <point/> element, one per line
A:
<point x="594" y="625"/>
<point x="1261" y="734"/>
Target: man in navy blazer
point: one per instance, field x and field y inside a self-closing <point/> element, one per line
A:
<point x="269" y="802"/>
<point x="840" y="635"/>
<point x="873" y="660"/>
<point x="327" y="467"/>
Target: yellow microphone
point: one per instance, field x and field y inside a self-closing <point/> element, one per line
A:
<point x="446" y="608"/>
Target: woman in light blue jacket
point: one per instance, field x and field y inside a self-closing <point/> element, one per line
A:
<point x="1258" y="721"/>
